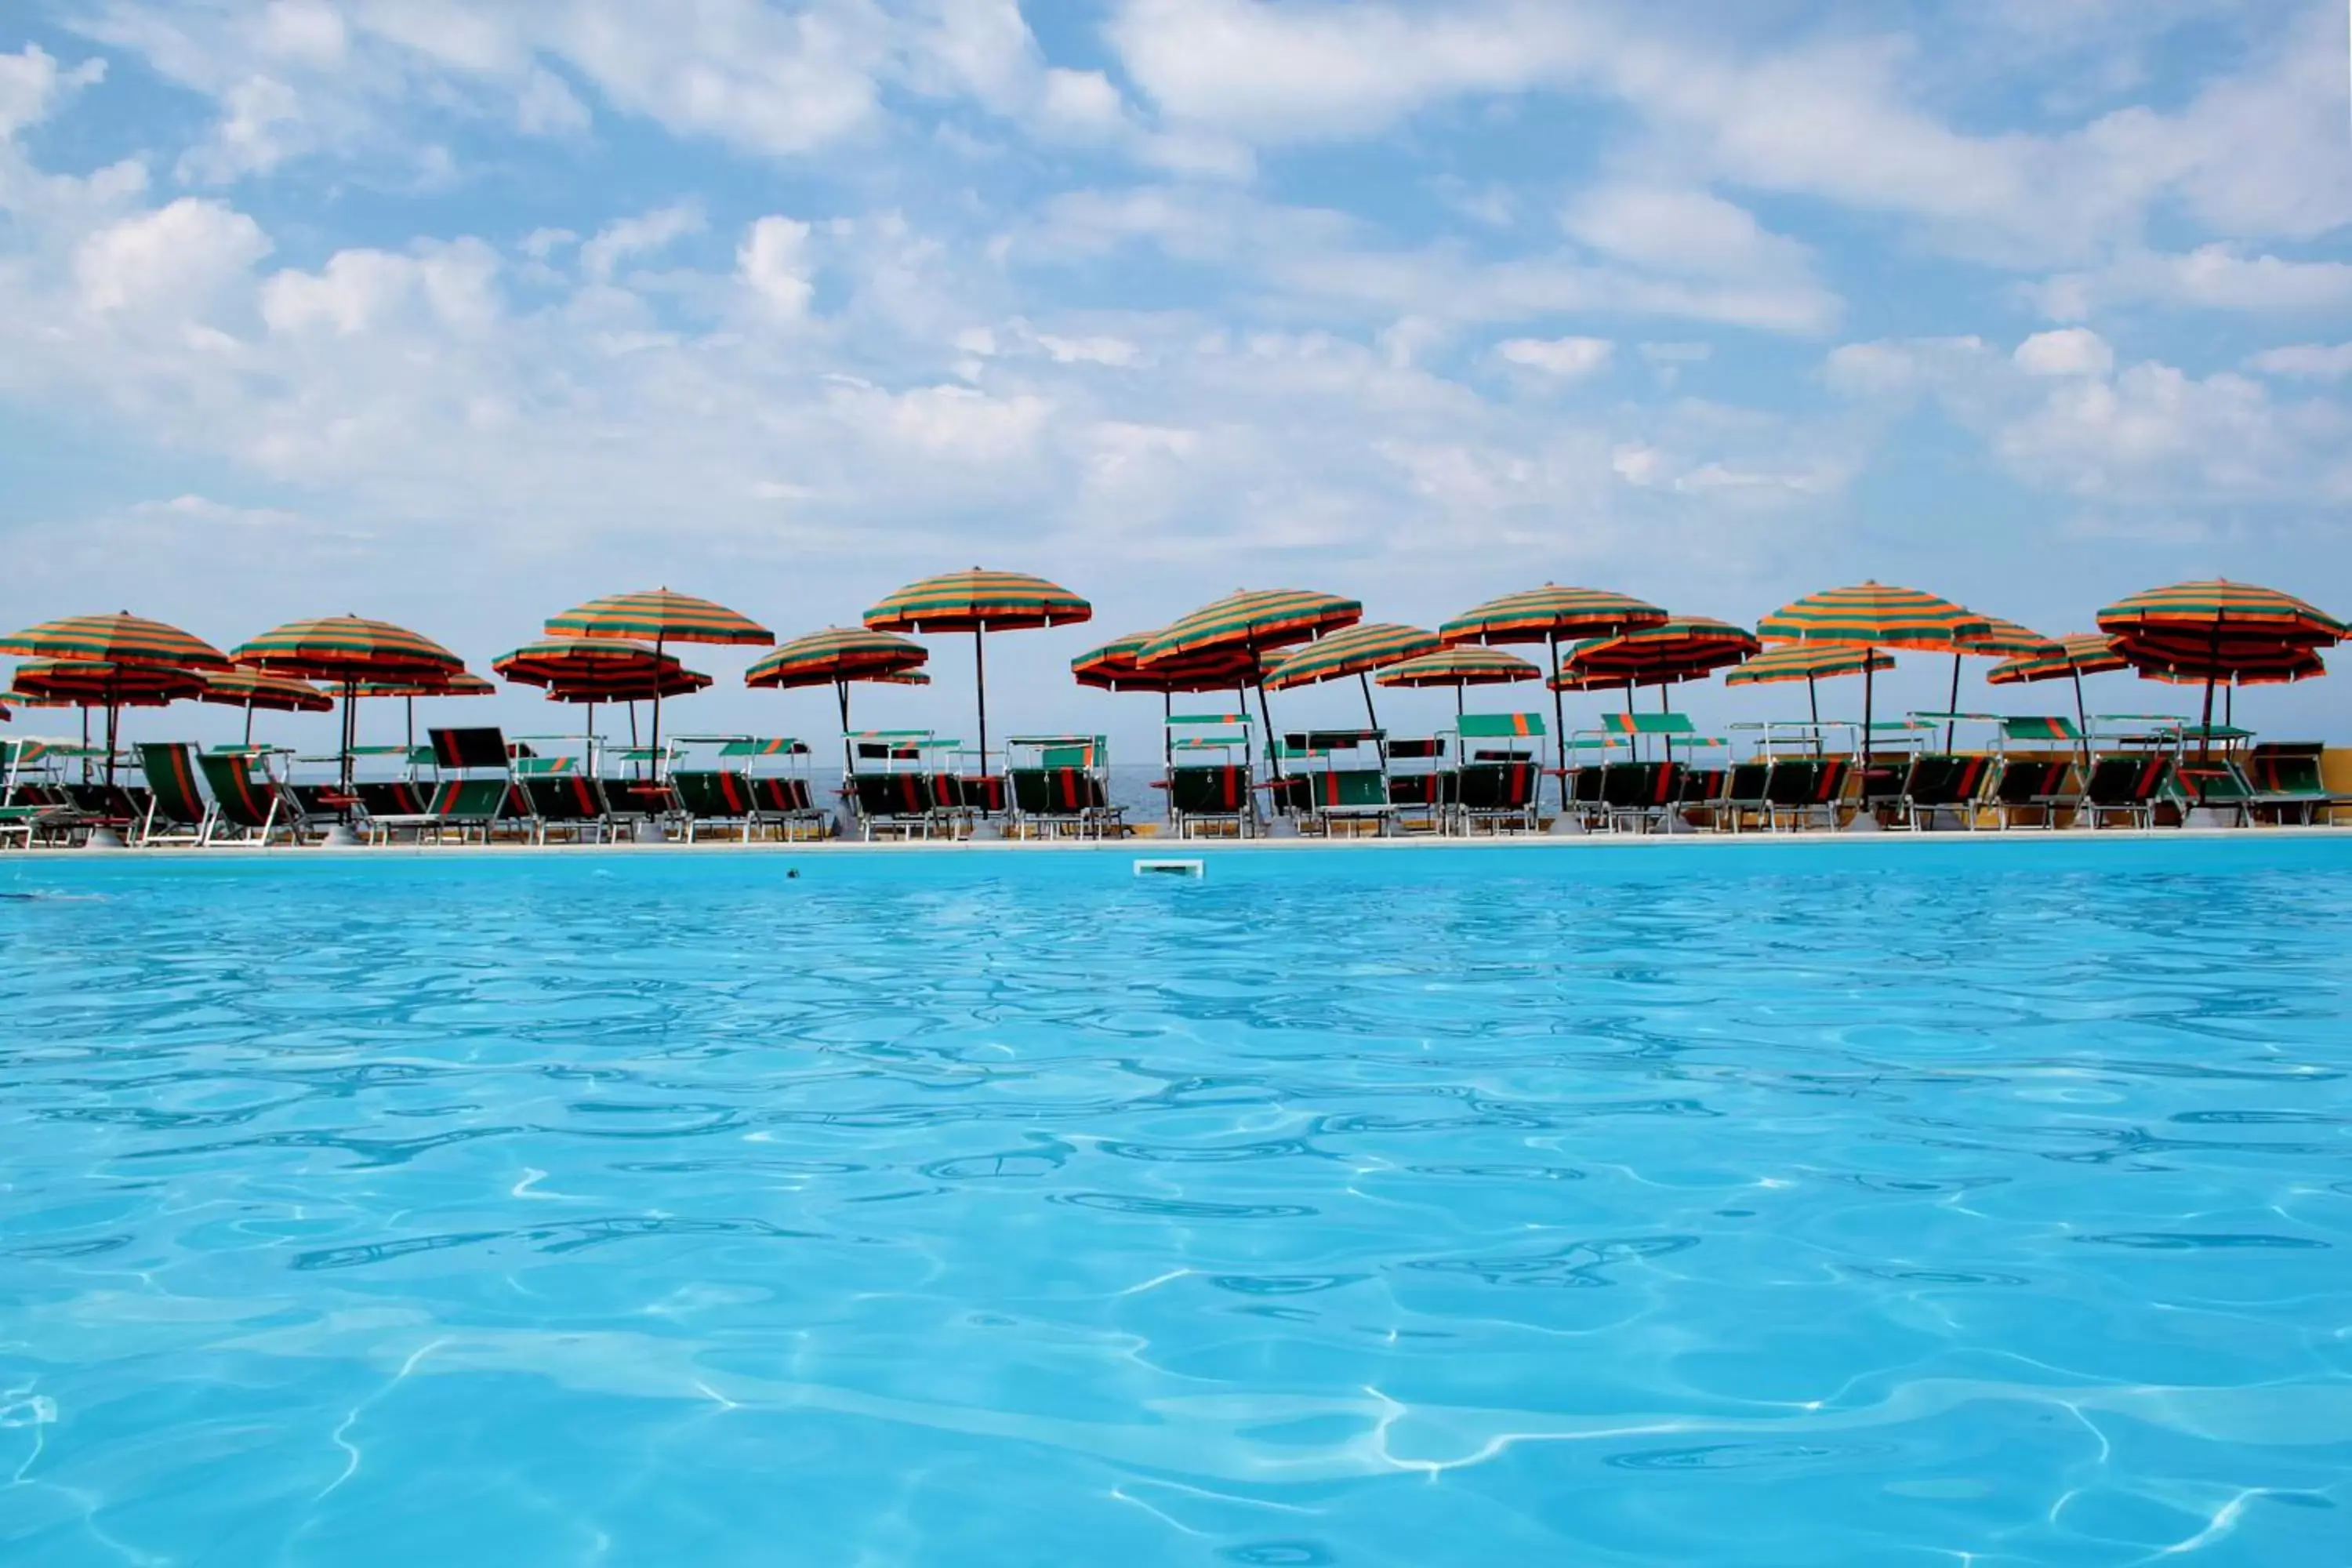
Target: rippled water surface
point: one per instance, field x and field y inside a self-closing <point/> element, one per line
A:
<point x="1886" y="1204"/>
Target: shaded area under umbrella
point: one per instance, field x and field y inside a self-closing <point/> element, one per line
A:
<point x="1357" y="650"/>
<point x="1871" y="615"/>
<point x="94" y="684"/>
<point x="2073" y="657"/>
<point x="1461" y="668"/>
<point x="978" y="601"/>
<point x="117" y="646"/>
<point x="1252" y="623"/>
<point x="660" y="616"/>
<point x="1687" y="647"/>
<point x="1551" y="614"/>
<point x="837" y="656"/>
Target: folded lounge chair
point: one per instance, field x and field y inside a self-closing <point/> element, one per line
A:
<point x="1636" y="797"/>
<point x="1743" y="797"/>
<point x="2217" y="783"/>
<point x="1061" y="784"/>
<point x="2045" y="785"/>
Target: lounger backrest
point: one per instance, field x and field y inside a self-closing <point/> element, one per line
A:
<point x="2294" y="773"/>
<point x="245" y="801"/>
<point x="784" y="796"/>
<point x="565" y="797"/>
<point x="171" y="770"/>
<point x="1346" y="787"/>
<point x="1221" y="789"/>
<point x="713" y="792"/>
<point x="1701" y="785"/>
<point x="473" y="747"/>
<point x="105" y="800"/>
<point x="2216" y="782"/>
<point x="1497" y="786"/>
<point x="2028" y="781"/>
<point x="1639" y="785"/>
<point x="393" y="797"/>
<point x="1795" y="781"/>
<point x="1412" y="789"/>
<point x="1745" y="786"/>
<point x="1885" y="781"/>
<point x="1945" y="780"/>
<point x="471" y="800"/>
<point x="2127" y="780"/>
<point x="1585" y="783"/>
<point x="1031" y="795"/>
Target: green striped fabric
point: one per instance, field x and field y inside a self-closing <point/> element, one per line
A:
<point x="464" y="683"/>
<point x="1874" y="615"/>
<point x="1492" y="726"/>
<point x="1113" y="667"/>
<point x="662" y="615"/>
<point x="2278" y="664"/>
<point x="836" y="654"/>
<point x="978" y="600"/>
<point x="584" y="660"/>
<point x="2083" y="653"/>
<point x="95" y="683"/>
<point x="1679" y="649"/>
<point x="1357" y="650"/>
<point x="2218" y="603"/>
<point x="270" y="693"/>
<point x="2007" y="639"/>
<point x="1254" y="621"/>
<point x="1471" y="664"/>
<point x="122" y="637"/>
<point x="1542" y="614"/>
<point x="349" y="648"/>
<point x="634" y="687"/>
<point x="1808" y="662"/>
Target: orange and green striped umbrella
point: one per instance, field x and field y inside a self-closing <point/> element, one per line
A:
<point x="2007" y="639"/>
<point x="119" y="638"/>
<point x="837" y="656"/>
<point x="1254" y="621"/>
<point x="96" y="683"/>
<point x="1676" y="650"/>
<point x="1357" y="650"/>
<point x="2084" y="653"/>
<point x="2282" y="664"/>
<point x="349" y="650"/>
<point x="464" y="683"/>
<point x="1551" y="614"/>
<point x="632" y="686"/>
<point x="1808" y="662"/>
<point x="978" y="601"/>
<point x="660" y="616"/>
<point x="1875" y="614"/>
<point x="1113" y="667"/>
<point x="1461" y="667"/>
<point x="558" y="658"/>
<point x="2221" y="606"/>
<point x="252" y="688"/>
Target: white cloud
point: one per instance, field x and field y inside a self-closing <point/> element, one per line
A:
<point x="360" y="291"/>
<point x="2217" y="277"/>
<point x="1681" y="231"/>
<point x="774" y="264"/>
<point x="2071" y="351"/>
<point x="1677" y="353"/>
<point x="176" y="259"/>
<point x="1571" y="359"/>
<point x="2316" y="362"/>
<point x="641" y="235"/>
<point x="32" y="87"/>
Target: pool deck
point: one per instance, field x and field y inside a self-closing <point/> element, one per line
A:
<point x="1151" y="848"/>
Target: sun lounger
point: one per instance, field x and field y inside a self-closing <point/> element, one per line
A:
<point x="898" y="803"/>
<point x="384" y="797"/>
<point x="246" y="807"/>
<point x="1806" y="791"/>
<point x="177" y="811"/>
<point x="1635" y="796"/>
<point x="2129" y="785"/>
<point x="1213" y="794"/>
<point x="1498" y="795"/>
<point x="2217" y="783"/>
<point x="563" y="798"/>
<point x="1743" y="796"/>
<point x="716" y="797"/>
<point x="37" y="811"/>
<point x="1938" y="784"/>
<point x="2287" y="780"/>
<point x="2046" y="785"/>
<point x="475" y="803"/>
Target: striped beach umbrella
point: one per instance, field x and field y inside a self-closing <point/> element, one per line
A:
<point x="1808" y="662"/>
<point x="1357" y="650"/>
<point x="1114" y="666"/>
<point x="93" y="684"/>
<point x="2217" y="628"/>
<point x="254" y="688"/>
<point x="464" y="683"/>
<point x="1873" y="615"/>
<point x="1253" y="623"/>
<point x="660" y="616"/>
<point x="1666" y="654"/>
<point x="2000" y="640"/>
<point x="119" y="644"/>
<point x="2067" y="658"/>
<point x="1461" y="667"/>
<point x="978" y="601"/>
<point x="1553" y="614"/>
<point x="835" y="656"/>
<point x="349" y="650"/>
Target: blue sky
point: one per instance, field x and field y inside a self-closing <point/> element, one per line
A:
<point x="458" y="314"/>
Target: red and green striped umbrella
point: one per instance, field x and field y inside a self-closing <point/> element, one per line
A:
<point x="253" y="688"/>
<point x="1461" y="667"/>
<point x="2000" y="640"/>
<point x="2218" y="629"/>
<point x="121" y="638"/>
<point x="2083" y="653"/>
<point x="350" y="650"/>
<point x="1808" y="662"/>
<point x="95" y="683"/>
<point x="1875" y="614"/>
<point x="1671" y="651"/>
<point x="978" y="601"/>
<point x="1251" y="623"/>
<point x="1113" y="667"/>
<point x="2282" y="664"/>
<point x="553" y="659"/>
<point x="1357" y="650"/>
<point x="837" y="656"/>
<point x="660" y="616"/>
<point x="2222" y="605"/>
<point x="464" y="683"/>
<point x="637" y="686"/>
<point x="1553" y="614"/>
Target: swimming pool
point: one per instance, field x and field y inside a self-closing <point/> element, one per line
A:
<point x="1770" y="1204"/>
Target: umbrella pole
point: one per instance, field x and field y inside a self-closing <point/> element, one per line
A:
<point x="1371" y="715"/>
<point x="1559" y="717"/>
<point x="1168" y="753"/>
<point x="1954" y="705"/>
<point x="248" y="721"/>
<point x="409" y="704"/>
<point x="656" y="746"/>
<point x="113" y="707"/>
<point x="1662" y="708"/>
<point x="848" y="762"/>
<point x="1813" y="704"/>
<point x="350" y="737"/>
<point x="1869" y="679"/>
<point x="980" y="680"/>
<point x="2081" y="718"/>
<point x="1460" y="687"/>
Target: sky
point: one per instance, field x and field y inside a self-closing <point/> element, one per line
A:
<point x="457" y="315"/>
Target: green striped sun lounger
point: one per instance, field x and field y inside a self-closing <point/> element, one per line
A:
<point x="248" y="807"/>
<point x="177" y="811"/>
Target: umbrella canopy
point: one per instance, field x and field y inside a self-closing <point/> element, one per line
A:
<point x="1873" y="615"/>
<point x="1461" y="668"/>
<point x="1680" y="649"/>
<point x="637" y="686"/>
<point x="2007" y="639"/>
<point x="1810" y="663"/>
<point x="464" y="683"/>
<point x="121" y="638"/>
<point x="1251" y="623"/>
<point x="835" y="656"/>
<point x="978" y="601"/>
<point x="1357" y="650"/>
<point x="661" y="616"/>
<point x="553" y="660"/>
<point x="2083" y="652"/>
<point x="2217" y="631"/>
<point x="2219" y="604"/>
<point x="96" y="683"/>
<point x="252" y="688"/>
<point x="1113" y="667"/>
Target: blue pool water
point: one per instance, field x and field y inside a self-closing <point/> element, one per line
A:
<point x="1856" y="1203"/>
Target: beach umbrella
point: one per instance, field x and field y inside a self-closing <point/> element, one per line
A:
<point x="254" y="688"/>
<point x="662" y="617"/>
<point x="2216" y="628"/>
<point x="90" y="684"/>
<point x="1251" y="623"/>
<point x="1114" y="666"/>
<point x="118" y="645"/>
<point x="1870" y="615"/>
<point x="1553" y="614"/>
<point x="1809" y="663"/>
<point x="464" y="683"/>
<point x="1357" y="650"/>
<point x="2193" y="664"/>
<point x="587" y="665"/>
<point x="2069" y="658"/>
<point x="1461" y="668"/>
<point x="351" y="651"/>
<point x="2000" y="640"/>
<point x="835" y="656"/>
<point x="979" y="602"/>
<point x="1662" y="654"/>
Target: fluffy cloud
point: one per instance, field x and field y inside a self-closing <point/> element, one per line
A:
<point x="774" y="263"/>
<point x="1567" y="358"/>
<point x="2218" y="277"/>
<point x="640" y="236"/>
<point x="2318" y="361"/>
<point x="178" y="259"/>
<point x="2071" y="350"/>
